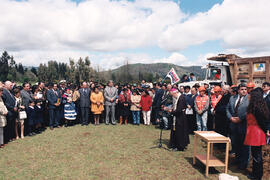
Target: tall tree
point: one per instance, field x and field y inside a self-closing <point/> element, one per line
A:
<point x="4" y="66"/>
<point x="34" y="70"/>
<point x="20" y="68"/>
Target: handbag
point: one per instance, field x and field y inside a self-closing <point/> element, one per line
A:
<point x="22" y="115"/>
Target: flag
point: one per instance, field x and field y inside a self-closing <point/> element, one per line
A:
<point x="173" y="76"/>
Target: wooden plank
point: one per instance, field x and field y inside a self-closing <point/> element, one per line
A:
<point x="267" y="70"/>
<point x="195" y="148"/>
<point x="250" y="72"/>
<point x="254" y="76"/>
<point x="212" y="136"/>
<point x="235" y="73"/>
<point x="253" y="59"/>
<point x="212" y="149"/>
<point x="227" y="157"/>
<point x="207" y="159"/>
<point x="213" y="161"/>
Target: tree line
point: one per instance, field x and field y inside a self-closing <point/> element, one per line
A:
<point x="74" y="71"/>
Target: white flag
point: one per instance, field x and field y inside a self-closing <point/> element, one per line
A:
<point x="173" y="76"/>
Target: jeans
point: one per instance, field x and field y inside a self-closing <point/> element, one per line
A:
<point x="108" y="110"/>
<point x="136" y="117"/>
<point x="146" y="117"/>
<point x="202" y="121"/>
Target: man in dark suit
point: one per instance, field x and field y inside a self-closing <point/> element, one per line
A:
<point x="157" y="103"/>
<point x="236" y="112"/>
<point x="266" y="96"/>
<point x="84" y="103"/>
<point x="27" y="96"/>
<point x="190" y="112"/>
<point x="54" y="99"/>
<point x="10" y="103"/>
<point x="62" y="90"/>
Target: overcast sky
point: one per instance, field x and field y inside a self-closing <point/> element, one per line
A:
<point x="111" y="32"/>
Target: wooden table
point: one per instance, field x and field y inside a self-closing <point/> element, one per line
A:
<point x="211" y="137"/>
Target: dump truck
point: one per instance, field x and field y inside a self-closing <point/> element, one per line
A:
<point x="232" y="69"/>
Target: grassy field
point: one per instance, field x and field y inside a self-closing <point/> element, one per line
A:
<point x="99" y="152"/>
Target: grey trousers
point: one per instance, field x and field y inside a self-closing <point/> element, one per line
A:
<point x="1" y="135"/>
<point x="110" y="109"/>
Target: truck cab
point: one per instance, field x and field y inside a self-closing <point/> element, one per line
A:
<point x="218" y="74"/>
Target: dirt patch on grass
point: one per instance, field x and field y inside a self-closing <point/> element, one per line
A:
<point x="86" y="134"/>
<point x="266" y="161"/>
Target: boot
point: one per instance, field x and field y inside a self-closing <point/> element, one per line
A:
<point x="125" y="121"/>
<point x="121" y="120"/>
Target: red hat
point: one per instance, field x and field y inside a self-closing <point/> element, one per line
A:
<point x="201" y="88"/>
<point x="250" y="85"/>
<point x="217" y="89"/>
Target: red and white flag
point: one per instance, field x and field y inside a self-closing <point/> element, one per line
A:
<point x="173" y="76"/>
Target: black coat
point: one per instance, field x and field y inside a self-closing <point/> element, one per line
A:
<point x="267" y="121"/>
<point x="9" y="101"/>
<point x="31" y="116"/>
<point x="221" y="120"/>
<point x="158" y="98"/>
<point x="179" y="138"/>
<point x="39" y="114"/>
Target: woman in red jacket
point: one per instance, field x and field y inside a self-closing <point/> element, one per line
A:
<point x="257" y="119"/>
<point x="146" y="103"/>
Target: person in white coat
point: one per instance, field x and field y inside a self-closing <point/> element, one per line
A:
<point x="3" y="120"/>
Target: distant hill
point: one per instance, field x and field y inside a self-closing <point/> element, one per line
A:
<point x="161" y="69"/>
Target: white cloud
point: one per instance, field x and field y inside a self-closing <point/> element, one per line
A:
<point x="36" y="31"/>
<point x="96" y="25"/>
<point x="239" y="24"/>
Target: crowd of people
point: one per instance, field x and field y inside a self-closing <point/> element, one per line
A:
<point x="239" y="112"/>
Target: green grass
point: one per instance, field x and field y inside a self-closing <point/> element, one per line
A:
<point x="99" y="152"/>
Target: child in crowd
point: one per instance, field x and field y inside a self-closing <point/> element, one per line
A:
<point x="69" y="107"/>
<point x="31" y="115"/>
<point x="21" y="114"/>
<point x="39" y="116"/>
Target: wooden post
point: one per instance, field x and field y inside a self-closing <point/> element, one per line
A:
<point x="267" y="70"/>
<point x="250" y="72"/>
<point x="207" y="159"/>
<point x="212" y="149"/>
<point x="195" y="146"/>
<point x="235" y="73"/>
<point x="227" y="157"/>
